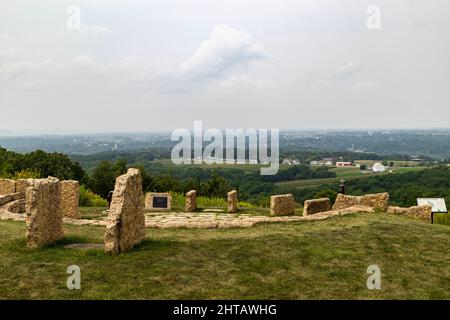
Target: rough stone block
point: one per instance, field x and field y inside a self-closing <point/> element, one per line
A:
<point x="191" y="201"/>
<point x="44" y="218"/>
<point x="377" y="201"/>
<point x="232" y="201"/>
<point x="16" y="206"/>
<point x="126" y="221"/>
<point x="7" y="186"/>
<point x="4" y="199"/>
<point x="316" y="205"/>
<point x="282" y="205"/>
<point x="415" y="212"/>
<point x="70" y="195"/>
<point x="23" y="184"/>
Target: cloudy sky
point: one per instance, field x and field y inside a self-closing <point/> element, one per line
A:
<point x="111" y="65"/>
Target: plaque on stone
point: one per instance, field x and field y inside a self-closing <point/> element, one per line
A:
<point x="157" y="201"/>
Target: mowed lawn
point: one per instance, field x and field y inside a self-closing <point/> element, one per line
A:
<point x="304" y="260"/>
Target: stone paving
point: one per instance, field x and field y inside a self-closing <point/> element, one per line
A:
<point x="208" y="219"/>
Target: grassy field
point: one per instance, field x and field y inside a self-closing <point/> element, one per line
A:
<point x="306" y="260"/>
<point x="342" y="173"/>
<point x="246" y="167"/>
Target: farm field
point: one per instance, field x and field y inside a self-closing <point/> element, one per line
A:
<point x="342" y="173"/>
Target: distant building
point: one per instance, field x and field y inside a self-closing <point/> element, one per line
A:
<point x="291" y="161"/>
<point x="344" y="164"/>
<point x="378" y="168"/>
<point x="323" y="162"/>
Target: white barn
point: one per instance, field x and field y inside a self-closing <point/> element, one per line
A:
<point x="378" y="168"/>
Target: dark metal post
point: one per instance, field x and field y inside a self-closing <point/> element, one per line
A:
<point x="109" y="198"/>
<point x="342" y="186"/>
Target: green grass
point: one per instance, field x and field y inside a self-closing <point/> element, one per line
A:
<point x="306" y="260"/>
<point x="178" y="200"/>
<point x="442" y="218"/>
<point x="92" y="212"/>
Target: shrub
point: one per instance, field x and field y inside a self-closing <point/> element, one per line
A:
<point x="326" y="193"/>
<point x="245" y="204"/>
<point x="90" y="199"/>
<point x="178" y="199"/>
<point x="26" y="174"/>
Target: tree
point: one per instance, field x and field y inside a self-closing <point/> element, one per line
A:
<point x="103" y="179"/>
<point x="326" y="193"/>
<point x="217" y="186"/>
<point x="120" y="167"/>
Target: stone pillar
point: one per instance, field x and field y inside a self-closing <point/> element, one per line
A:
<point x="7" y="186"/>
<point x="126" y="221"/>
<point x="70" y="195"/>
<point x="232" y="201"/>
<point x="44" y="218"/>
<point x="191" y="201"/>
<point x="282" y="205"/>
<point x="316" y="205"/>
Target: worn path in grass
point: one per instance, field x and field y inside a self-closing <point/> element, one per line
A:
<point x="205" y="219"/>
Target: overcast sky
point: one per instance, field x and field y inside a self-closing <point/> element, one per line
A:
<point x="159" y="65"/>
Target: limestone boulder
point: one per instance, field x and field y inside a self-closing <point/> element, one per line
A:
<point x="232" y="201"/>
<point x="191" y="201"/>
<point x="316" y="205"/>
<point x="126" y="221"/>
<point x="7" y="186"/>
<point x="378" y="201"/>
<point x="23" y="184"/>
<point x="70" y="195"/>
<point x="415" y="212"/>
<point x="282" y="205"/>
<point x="44" y="218"/>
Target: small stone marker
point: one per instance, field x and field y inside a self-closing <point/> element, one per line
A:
<point x="44" y="218"/>
<point x="191" y="201"/>
<point x="232" y="201"/>
<point x="126" y="220"/>
<point x="282" y="205"/>
<point x="316" y="205"/>
<point x="158" y="201"/>
<point x="70" y="195"/>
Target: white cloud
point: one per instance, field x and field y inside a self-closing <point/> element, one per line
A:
<point x="83" y="60"/>
<point x="226" y="49"/>
<point x="94" y="29"/>
<point x="347" y="70"/>
<point x="12" y="70"/>
<point x="225" y="52"/>
<point x="365" y="85"/>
